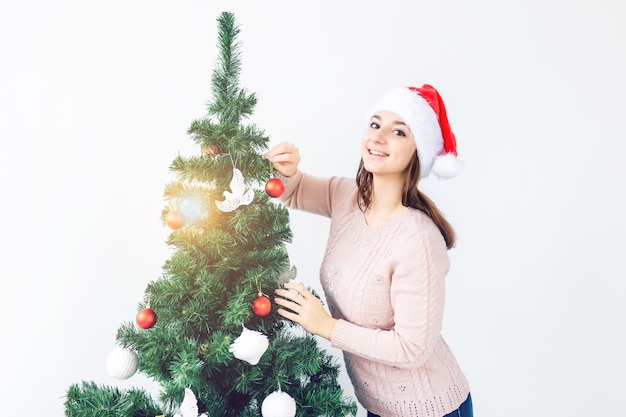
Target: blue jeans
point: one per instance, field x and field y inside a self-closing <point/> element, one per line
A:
<point x="464" y="410"/>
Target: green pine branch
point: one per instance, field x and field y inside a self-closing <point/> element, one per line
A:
<point x="91" y="400"/>
<point x="230" y="102"/>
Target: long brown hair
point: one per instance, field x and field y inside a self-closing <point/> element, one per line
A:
<point x="411" y="197"/>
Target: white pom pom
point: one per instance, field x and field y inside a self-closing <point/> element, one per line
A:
<point x="249" y="346"/>
<point x="122" y="363"/>
<point x="278" y="404"/>
<point x="447" y="166"/>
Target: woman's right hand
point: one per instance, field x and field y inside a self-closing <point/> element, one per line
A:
<point x="284" y="157"/>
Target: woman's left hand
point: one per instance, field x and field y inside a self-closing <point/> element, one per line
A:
<point x="306" y="309"/>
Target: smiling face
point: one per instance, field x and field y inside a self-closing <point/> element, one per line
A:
<point x="387" y="146"/>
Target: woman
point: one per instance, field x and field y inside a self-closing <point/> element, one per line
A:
<point x="384" y="268"/>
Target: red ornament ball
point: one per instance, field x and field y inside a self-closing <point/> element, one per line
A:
<point x="261" y="306"/>
<point x="274" y="187"/>
<point x="146" y="318"/>
<point x="174" y="220"/>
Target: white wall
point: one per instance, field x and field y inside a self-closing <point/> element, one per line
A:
<point x="96" y="97"/>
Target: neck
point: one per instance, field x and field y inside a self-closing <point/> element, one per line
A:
<point x="386" y="201"/>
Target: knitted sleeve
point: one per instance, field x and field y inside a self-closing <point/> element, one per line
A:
<point x="312" y="194"/>
<point x="417" y="294"/>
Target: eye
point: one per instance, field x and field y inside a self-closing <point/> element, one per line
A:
<point x="374" y="125"/>
<point x="399" y="132"/>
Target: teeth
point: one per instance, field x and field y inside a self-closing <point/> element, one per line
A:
<point x="373" y="152"/>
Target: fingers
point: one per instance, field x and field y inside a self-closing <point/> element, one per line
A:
<point x="285" y="158"/>
<point x="302" y="307"/>
<point x="289" y="315"/>
<point x="290" y="307"/>
<point x="281" y="149"/>
<point x="297" y="287"/>
<point x="291" y="297"/>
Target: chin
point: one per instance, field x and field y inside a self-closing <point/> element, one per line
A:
<point x="371" y="168"/>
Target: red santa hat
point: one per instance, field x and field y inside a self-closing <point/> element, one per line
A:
<point x="423" y="111"/>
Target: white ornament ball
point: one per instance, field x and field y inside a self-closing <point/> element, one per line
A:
<point x="278" y="404"/>
<point x="122" y="363"/>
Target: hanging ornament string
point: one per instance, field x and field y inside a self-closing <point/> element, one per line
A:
<point x="146" y="317"/>
<point x="261" y="305"/>
<point x="258" y="285"/>
<point x="249" y="346"/>
<point x="278" y="404"/>
<point x="274" y="187"/>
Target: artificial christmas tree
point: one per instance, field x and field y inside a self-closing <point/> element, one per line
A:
<point x="218" y="347"/>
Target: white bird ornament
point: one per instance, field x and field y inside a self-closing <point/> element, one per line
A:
<point x="239" y="195"/>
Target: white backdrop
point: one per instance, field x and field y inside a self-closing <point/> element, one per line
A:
<point x="96" y="98"/>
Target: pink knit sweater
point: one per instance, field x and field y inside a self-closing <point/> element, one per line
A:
<point x="386" y="286"/>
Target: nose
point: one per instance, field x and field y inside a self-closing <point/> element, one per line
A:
<point x="377" y="136"/>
